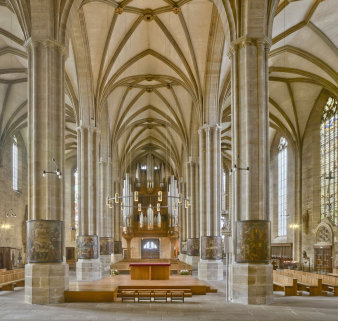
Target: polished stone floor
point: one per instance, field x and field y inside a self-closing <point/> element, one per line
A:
<point x="210" y="307"/>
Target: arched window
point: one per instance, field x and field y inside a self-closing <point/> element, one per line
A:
<point x="76" y="200"/>
<point x="328" y="161"/>
<point x="282" y="186"/>
<point x="150" y="245"/>
<point x="15" y="163"/>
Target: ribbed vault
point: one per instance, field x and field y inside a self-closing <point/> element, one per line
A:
<point x="148" y="67"/>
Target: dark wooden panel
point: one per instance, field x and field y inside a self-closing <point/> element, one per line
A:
<point x="5" y="258"/>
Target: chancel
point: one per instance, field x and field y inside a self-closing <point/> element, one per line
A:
<point x="157" y="151"/>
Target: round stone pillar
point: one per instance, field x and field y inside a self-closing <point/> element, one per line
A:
<point x="193" y="241"/>
<point x="251" y="271"/>
<point x="210" y="267"/>
<point x="88" y="266"/>
<point x="46" y="276"/>
<point x="182" y="214"/>
<point x="106" y="219"/>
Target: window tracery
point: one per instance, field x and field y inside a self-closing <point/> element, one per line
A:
<point x="282" y="186"/>
<point x="328" y="160"/>
<point x="15" y="163"/>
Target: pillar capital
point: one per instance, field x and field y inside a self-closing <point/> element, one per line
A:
<point x="91" y="129"/>
<point x="46" y="43"/>
<point x="209" y="127"/>
<point x="245" y="41"/>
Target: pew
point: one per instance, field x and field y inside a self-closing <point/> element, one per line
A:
<point x="307" y="281"/>
<point x="284" y="283"/>
<point x="330" y="284"/>
<point x="9" y="279"/>
<point x="158" y="295"/>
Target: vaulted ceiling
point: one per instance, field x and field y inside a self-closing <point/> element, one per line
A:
<point x="147" y="62"/>
<point x="303" y="62"/>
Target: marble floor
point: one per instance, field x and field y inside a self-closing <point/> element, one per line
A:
<point x="210" y="307"/>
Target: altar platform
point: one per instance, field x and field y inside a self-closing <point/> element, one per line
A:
<point x="106" y="290"/>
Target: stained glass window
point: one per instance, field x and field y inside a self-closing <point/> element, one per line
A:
<point x="76" y="200"/>
<point x="15" y="163"/>
<point x="328" y="161"/>
<point x="282" y="186"/>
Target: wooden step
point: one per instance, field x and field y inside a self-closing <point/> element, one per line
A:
<point x="90" y="296"/>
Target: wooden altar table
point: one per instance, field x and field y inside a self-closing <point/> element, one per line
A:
<point x="149" y="271"/>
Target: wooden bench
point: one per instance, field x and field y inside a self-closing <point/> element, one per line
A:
<point x="186" y="291"/>
<point x="177" y="296"/>
<point x="9" y="279"/>
<point x="158" y="295"/>
<point x="144" y="295"/>
<point x="330" y="284"/>
<point x="284" y="283"/>
<point x="128" y="296"/>
<point x="307" y="281"/>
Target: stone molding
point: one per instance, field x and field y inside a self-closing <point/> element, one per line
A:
<point x="245" y="41"/>
<point x="46" y="43"/>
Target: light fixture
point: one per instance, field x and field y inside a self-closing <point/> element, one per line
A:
<point x="294" y="226"/>
<point x="235" y="168"/>
<point x="5" y="226"/>
<point x="57" y="171"/>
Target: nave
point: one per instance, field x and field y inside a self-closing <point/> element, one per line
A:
<point x="212" y="306"/>
<point x="157" y="138"/>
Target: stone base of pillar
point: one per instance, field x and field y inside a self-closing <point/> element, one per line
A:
<point x="105" y="265"/>
<point x="210" y="270"/>
<point x="252" y="283"/>
<point x="182" y="257"/>
<point x="193" y="261"/>
<point x="46" y="283"/>
<point x="88" y="269"/>
<point x="116" y="258"/>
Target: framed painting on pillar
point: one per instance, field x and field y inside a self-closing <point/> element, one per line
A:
<point x="253" y="241"/>
<point x="87" y="247"/>
<point x="44" y="241"/>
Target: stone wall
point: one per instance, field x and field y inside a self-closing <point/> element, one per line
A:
<point x="13" y="237"/>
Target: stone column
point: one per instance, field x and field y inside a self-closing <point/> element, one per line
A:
<point x="106" y="219"/>
<point x="88" y="266"/>
<point x="117" y="255"/>
<point x="46" y="274"/>
<point x="193" y="241"/>
<point x="210" y="266"/>
<point x="252" y="273"/>
<point x="183" y="224"/>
